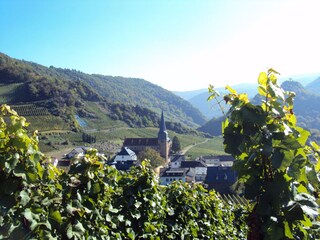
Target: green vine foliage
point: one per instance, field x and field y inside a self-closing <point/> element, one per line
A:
<point x="273" y="160"/>
<point x="95" y="201"/>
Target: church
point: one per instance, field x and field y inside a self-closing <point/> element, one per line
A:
<point x="161" y="144"/>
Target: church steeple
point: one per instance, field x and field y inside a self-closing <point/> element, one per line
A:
<point x="162" y="134"/>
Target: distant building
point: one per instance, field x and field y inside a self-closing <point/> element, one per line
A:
<point x="161" y="144"/>
<point x="126" y="154"/>
<point x="124" y="160"/>
<point x="215" y="171"/>
<point x="220" y="174"/>
<point x="176" y="160"/>
<point x="169" y="175"/>
<point x="225" y="160"/>
<point x="77" y="152"/>
<point x="199" y="166"/>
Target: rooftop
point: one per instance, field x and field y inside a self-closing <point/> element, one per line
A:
<point x="140" y="142"/>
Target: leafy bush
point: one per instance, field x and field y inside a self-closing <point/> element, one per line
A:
<point x="95" y="201"/>
<point x="273" y="160"/>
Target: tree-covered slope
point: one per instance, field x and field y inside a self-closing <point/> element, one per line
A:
<point x="213" y="127"/>
<point x="139" y="92"/>
<point x="61" y="90"/>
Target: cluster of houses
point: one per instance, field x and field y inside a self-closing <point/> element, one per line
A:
<point x="214" y="172"/>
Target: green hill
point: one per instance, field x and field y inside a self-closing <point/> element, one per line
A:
<point x="63" y="103"/>
<point x="68" y="93"/>
<point x="139" y="92"/>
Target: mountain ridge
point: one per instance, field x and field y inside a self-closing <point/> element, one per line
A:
<point x="68" y="88"/>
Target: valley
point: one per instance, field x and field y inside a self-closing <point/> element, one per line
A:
<point x="64" y="104"/>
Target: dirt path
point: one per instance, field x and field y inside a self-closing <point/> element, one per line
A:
<point x="187" y="148"/>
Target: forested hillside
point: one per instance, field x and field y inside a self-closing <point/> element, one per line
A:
<point x="139" y="92"/>
<point x="66" y="93"/>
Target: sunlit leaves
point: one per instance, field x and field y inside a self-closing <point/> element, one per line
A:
<point x="272" y="159"/>
<point x="262" y="79"/>
<point x="231" y="90"/>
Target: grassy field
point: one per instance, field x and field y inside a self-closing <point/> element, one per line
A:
<point x="212" y="147"/>
<point x="111" y="140"/>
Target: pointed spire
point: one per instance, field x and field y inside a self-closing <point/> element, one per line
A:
<point x="162" y="134"/>
<point x="162" y="124"/>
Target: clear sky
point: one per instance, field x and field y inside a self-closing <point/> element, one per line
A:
<point x="177" y="44"/>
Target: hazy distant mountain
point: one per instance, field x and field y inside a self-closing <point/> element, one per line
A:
<point x="303" y="79"/>
<point x="306" y="108"/>
<point x="314" y="86"/>
<point x="190" y="94"/>
<point x="198" y="98"/>
<point x="211" y="109"/>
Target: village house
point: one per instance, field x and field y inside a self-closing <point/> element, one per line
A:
<point x="199" y="166"/>
<point x="168" y="175"/>
<point x="175" y="161"/>
<point x="125" y="159"/>
<point x="215" y="172"/>
<point x="220" y="174"/>
<point x="77" y="152"/>
<point x="126" y="154"/>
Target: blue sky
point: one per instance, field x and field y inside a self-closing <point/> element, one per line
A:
<point x="177" y="44"/>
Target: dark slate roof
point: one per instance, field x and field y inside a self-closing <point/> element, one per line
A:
<point x="174" y="172"/>
<point x="140" y="142"/>
<point x="220" y="157"/>
<point x="192" y="164"/>
<point x="64" y="163"/>
<point x="217" y="174"/>
<point x="126" y="152"/>
<point x="226" y="158"/>
<point x="177" y="158"/>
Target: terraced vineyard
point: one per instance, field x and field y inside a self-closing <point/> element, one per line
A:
<point x="30" y="110"/>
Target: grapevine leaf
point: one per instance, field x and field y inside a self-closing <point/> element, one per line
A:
<point x="231" y="90"/>
<point x="262" y="79"/>
<point x="24" y="197"/>
<point x="287" y="230"/>
<point x="55" y="215"/>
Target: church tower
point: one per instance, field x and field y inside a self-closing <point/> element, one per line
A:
<point x="163" y="139"/>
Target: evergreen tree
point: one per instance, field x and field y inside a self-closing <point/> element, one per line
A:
<point x="176" y="146"/>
